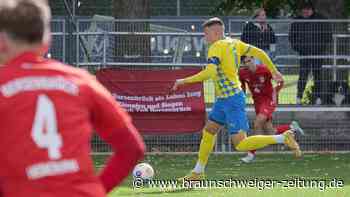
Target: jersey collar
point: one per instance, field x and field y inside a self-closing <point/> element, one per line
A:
<point x="25" y="57"/>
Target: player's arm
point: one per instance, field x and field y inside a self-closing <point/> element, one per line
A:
<point x="279" y="86"/>
<point x="243" y="85"/>
<point x="214" y="58"/>
<point x="205" y="74"/>
<point x="114" y="126"/>
<point x="249" y="50"/>
<point x="276" y="91"/>
<point x="261" y="55"/>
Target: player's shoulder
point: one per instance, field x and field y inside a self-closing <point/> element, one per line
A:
<point x="68" y="70"/>
<point x="230" y="40"/>
<point x="216" y="45"/>
<point x="224" y="42"/>
<point x="48" y="66"/>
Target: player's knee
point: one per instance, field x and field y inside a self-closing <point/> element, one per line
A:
<point x="258" y="128"/>
<point x="269" y="129"/>
<point x="259" y="122"/>
<point x="211" y="130"/>
<point x="239" y="148"/>
<point x="212" y="127"/>
<point x="237" y="139"/>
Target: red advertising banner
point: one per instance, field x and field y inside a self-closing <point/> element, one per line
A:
<point x="146" y="95"/>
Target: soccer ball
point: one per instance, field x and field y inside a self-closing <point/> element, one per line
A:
<point x="143" y="171"/>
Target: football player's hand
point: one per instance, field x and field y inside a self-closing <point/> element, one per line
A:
<point x="176" y="85"/>
<point x="279" y="86"/>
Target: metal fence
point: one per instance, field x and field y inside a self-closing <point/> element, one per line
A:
<point x="59" y="35"/>
<point x="327" y="130"/>
<point x="168" y="44"/>
<point x="176" y="43"/>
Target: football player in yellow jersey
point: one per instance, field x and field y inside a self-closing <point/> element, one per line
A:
<point x="224" y="57"/>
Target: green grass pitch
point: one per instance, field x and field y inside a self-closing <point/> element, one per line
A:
<point x="320" y="167"/>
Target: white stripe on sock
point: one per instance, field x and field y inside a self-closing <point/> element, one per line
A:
<point x="198" y="168"/>
<point x="279" y="138"/>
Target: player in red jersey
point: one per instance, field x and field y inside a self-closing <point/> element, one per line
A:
<point x="259" y="81"/>
<point x="49" y="111"/>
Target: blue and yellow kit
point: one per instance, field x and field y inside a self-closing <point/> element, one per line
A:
<point x="223" y="67"/>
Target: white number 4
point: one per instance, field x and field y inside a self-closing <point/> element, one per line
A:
<point x="44" y="130"/>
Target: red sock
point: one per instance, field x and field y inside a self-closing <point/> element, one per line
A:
<point x="252" y="152"/>
<point x="282" y="128"/>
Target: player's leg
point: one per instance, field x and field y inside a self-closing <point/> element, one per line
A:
<point x="244" y="143"/>
<point x="294" y="126"/>
<point x="268" y="109"/>
<point x="263" y="121"/>
<point x="212" y="127"/>
<point x="279" y="129"/>
<point x="264" y="109"/>
<point x="237" y="125"/>
<point x="259" y="124"/>
<point x="207" y="144"/>
<point x="268" y="126"/>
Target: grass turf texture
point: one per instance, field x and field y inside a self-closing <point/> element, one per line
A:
<point x="267" y="166"/>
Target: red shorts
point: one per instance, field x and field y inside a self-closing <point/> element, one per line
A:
<point x="265" y="106"/>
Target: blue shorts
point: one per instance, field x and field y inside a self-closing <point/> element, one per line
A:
<point x="230" y="112"/>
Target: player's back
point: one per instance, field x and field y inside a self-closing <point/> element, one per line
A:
<point x="45" y="131"/>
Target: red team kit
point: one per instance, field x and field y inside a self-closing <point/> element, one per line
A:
<point x="47" y="146"/>
<point x="260" y="86"/>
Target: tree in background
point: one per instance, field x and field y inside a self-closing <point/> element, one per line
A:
<point x="132" y="48"/>
<point x="273" y="7"/>
<point x="331" y="9"/>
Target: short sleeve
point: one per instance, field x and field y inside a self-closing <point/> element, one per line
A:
<point x="242" y="47"/>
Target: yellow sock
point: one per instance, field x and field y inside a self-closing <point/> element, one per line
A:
<point x="206" y="147"/>
<point x="256" y="142"/>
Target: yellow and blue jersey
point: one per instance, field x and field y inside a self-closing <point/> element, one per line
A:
<point x="223" y="65"/>
<point x="225" y="55"/>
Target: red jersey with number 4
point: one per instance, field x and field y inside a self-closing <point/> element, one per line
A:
<point x="48" y="112"/>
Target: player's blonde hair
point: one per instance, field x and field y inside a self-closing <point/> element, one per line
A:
<point x="215" y="21"/>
